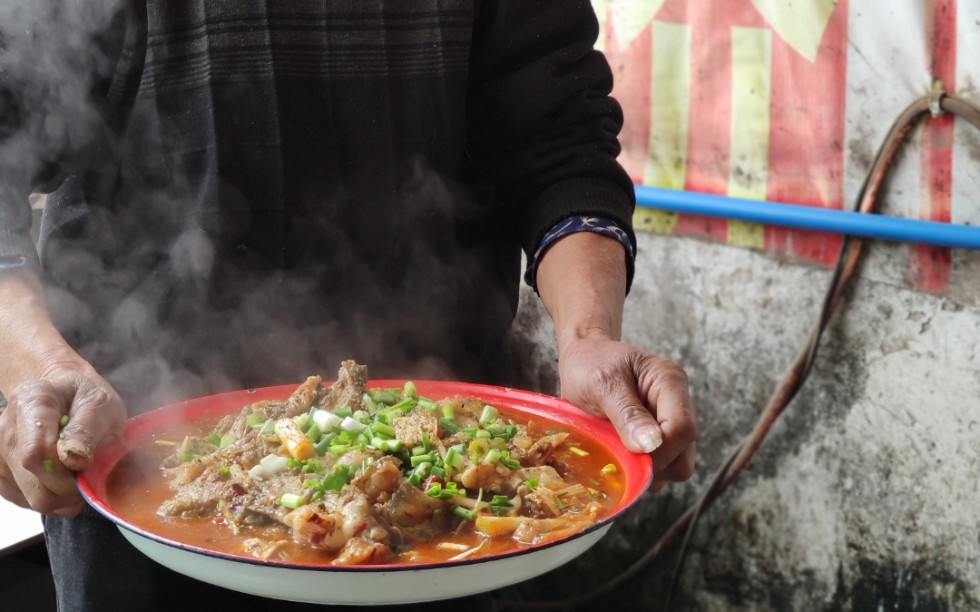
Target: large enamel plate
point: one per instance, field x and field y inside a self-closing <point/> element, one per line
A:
<point x="364" y="584"/>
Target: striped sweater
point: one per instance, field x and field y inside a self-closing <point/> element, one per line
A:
<point x="239" y="183"/>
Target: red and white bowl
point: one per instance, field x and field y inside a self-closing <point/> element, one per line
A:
<point x="365" y="584"/>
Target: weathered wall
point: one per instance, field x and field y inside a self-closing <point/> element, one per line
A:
<point x="865" y="494"/>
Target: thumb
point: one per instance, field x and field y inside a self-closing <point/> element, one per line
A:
<point x="637" y="427"/>
<point x="96" y="413"/>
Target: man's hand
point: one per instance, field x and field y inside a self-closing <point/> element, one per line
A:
<point x="46" y="380"/>
<point x="645" y="397"/>
<point x="582" y="281"/>
<point x="37" y="461"/>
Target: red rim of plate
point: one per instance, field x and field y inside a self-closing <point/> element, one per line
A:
<point x="637" y="468"/>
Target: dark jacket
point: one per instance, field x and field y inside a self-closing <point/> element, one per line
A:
<point x="247" y="193"/>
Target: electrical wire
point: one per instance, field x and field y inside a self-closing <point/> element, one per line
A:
<point x="935" y="104"/>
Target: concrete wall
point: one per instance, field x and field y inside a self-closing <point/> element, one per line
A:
<point x="865" y="494"/>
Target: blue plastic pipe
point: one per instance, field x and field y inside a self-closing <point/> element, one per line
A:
<point x="806" y="217"/>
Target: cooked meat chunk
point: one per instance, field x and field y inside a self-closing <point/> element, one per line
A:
<point x="490" y="477"/>
<point x="411" y="427"/>
<point x="348" y="391"/>
<point x="540" y="452"/>
<point x="413" y="516"/>
<point x="379" y="480"/>
<point x="360" y="551"/>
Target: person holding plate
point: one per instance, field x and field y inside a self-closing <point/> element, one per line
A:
<point x="242" y="193"/>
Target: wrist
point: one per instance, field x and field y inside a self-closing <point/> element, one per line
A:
<point x="31" y="345"/>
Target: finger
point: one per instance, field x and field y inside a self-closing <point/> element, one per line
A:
<point x="37" y="407"/>
<point x="96" y="414"/>
<point x="9" y="489"/>
<point x="679" y="470"/>
<point x="668" y="393"/>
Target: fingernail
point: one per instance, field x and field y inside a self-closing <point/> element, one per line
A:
<point x="648" y="438"/>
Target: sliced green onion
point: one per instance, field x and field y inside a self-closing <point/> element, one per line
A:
<point x="63" y="421"/>
<point x="609" y="468"/>
<point x="493" y="456"/>
<point x="313" y="433"/>
<point x="463" y="513"/>
<point x="291" y="500"/>
<point x="392" y="446"/>
<point x="448" y="426"/>
<point x="226" y="441"/>
<point x="343" y="413"/>
<point x="418" y="460"/>
<point x="489" y="415"/>
<point x="410" y="390"/>
<point x="255" y="420"/>
<point x="428" y="404"/>
<point x="405" y="405"/>
<point x="578" y="451"/>
<point x="214" y="439"/>
<point x="49" y="466"/>
<point x="383" y="428"/>
<point x="531" y="484"/>
<point x="448" y="412"/>
<point x="165" y="443"/>
<point x="453" y="459"/>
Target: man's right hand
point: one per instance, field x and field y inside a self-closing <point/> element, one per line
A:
<point x="44" y="380"/>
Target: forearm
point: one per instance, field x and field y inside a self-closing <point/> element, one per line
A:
<point x="582" y="283"/>
<point x="29" y="342"/>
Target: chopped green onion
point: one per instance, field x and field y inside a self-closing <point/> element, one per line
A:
<point x="531" y="484"/>
<point x="383" y="428"/>
<point x="438" y="471"/>
<point x="368" y="402"/>
<point x="268" y="428"/>
<point x="489" y="415"/>
<point x="505" y="432"/>
<point x="509" y="463"/>
<point x="49" y="466"/>
<point x="405" y="405"/>
<point x="448" y="426"/>
<point x="224" y="470"/>
<point x="63" y="421"/>
<point x="463" y="513"/>
<point x="291" y="500"/>
<point x="226" y="441"/>
<point x="448" y="412"/>
<point x="493" y="456"/>
<point x="302" y="421"/>
<point x="392" y="446"/>
<point x="313" y="433"/>
<point x="418" y="460"/>
<point x="343" y="413"/>
<point x="479" y="446"/>
<point x="609" y="468"/>
<point x="428" y="404"/>
<point x="453" y="459"/>
<point x="214" y="439"/>
<point x="410" y="390"/>
<point x="255" y="420"/>
<point x="483" y="433"/>
<point x="165" y="443"/>
<point x="578" y="451"/>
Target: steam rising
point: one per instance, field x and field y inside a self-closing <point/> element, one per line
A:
<point x="178" y="276"/>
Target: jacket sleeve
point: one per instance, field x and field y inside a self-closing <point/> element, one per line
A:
<point x="67" y="73"/>
<point x="541" y="121"/>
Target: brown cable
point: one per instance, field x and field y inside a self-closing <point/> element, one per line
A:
<point x="738" y="459"/>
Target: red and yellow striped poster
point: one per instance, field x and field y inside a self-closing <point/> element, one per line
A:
<point x="785" y="101"/>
